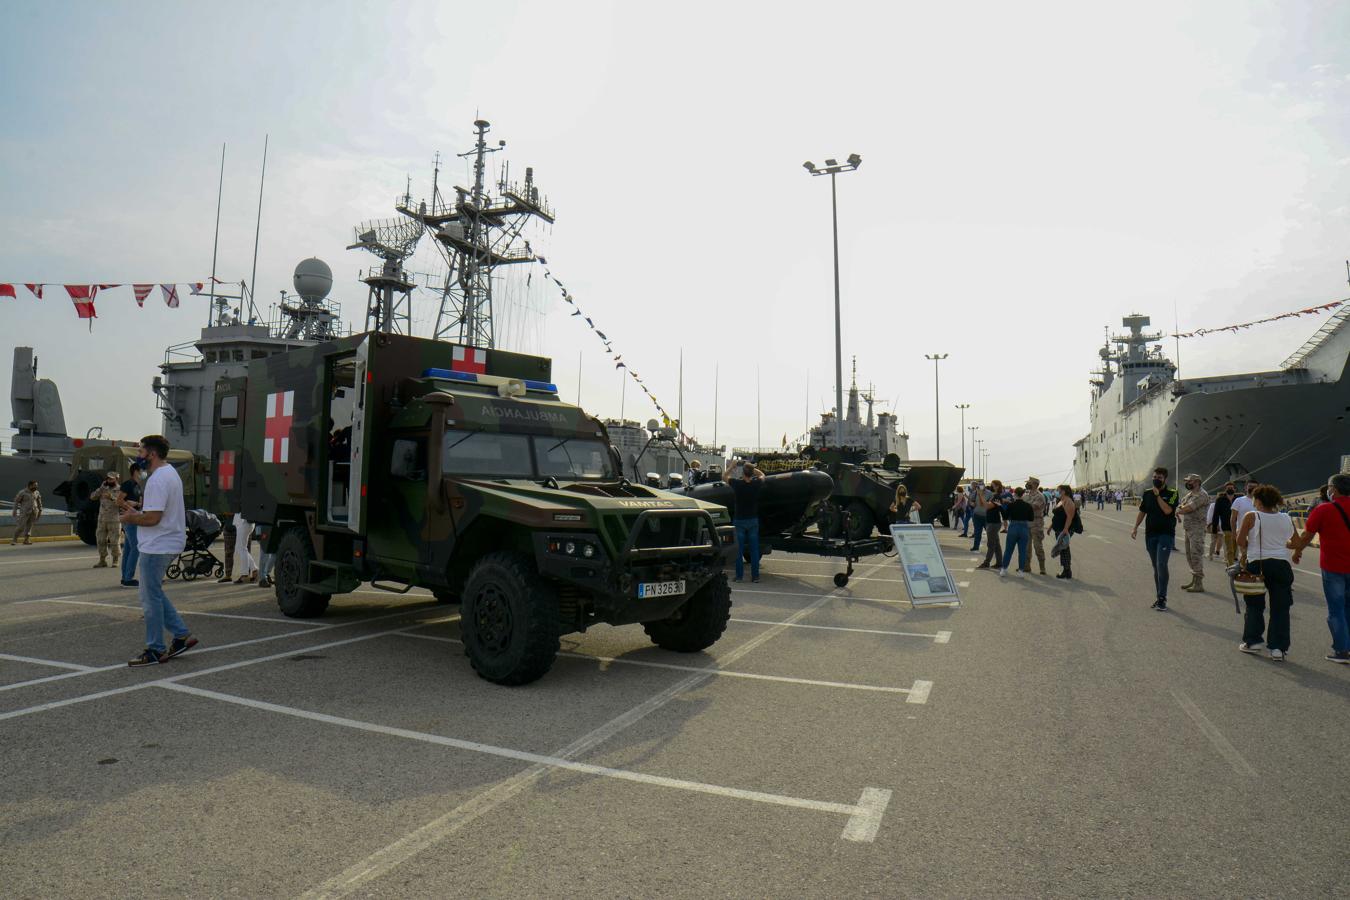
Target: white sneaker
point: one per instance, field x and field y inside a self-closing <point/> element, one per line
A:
<point x="1002" y="572"/>
<point x="1277" y="655"/>
<point x="1018" y="572"/>
<point x="1254" y="647"/>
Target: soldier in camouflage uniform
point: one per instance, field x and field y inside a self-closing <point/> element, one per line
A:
<point x="1192" y="514"/>
<point x="27" y="510"/>
<point x="1038" y="508"/>
<point x="109" y="527"/>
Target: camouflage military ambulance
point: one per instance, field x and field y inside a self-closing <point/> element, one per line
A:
<point x="401" y="462"/>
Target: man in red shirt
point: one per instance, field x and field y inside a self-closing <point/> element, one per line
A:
<point x="1332" y="522"/>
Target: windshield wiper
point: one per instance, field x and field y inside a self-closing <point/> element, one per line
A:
<point x="463" y="439"/>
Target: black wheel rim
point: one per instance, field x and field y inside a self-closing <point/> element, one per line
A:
<point x="492" y="619"/>
<point x="288" y="574"/>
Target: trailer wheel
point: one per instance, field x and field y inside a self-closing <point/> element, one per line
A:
<point x="294" y="555"/>
<point x="509" y="620"/>
<point x="829" y="519"/>
<point x="699" y="623"/>
<point x="840" y="579"/>
<point x="860" y="521"/>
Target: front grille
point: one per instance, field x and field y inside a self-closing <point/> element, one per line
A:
<point x="670" y="531"/>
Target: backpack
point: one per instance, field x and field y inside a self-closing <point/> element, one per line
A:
<point x="1077" y="526"/>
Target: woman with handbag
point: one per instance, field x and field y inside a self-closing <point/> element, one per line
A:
<point x="1063" y="525"/>
<point x="905" y="507"/>
<point x="1265" y="537"/>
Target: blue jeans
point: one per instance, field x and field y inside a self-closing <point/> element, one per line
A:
<point x="979" y="531"/>
<point x="1336" y="585"/>
<point x="1160" y="547"/>
<point x="155" y="606"/>
<point x="1019" y="535"/>
<point x="130" y="553"/>
<point x="747" y="538"/>
<point x="265" y="562"/>
<point x="965" y="521"/>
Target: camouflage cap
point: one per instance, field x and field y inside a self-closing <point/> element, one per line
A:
<point x="1193" y="477"/>
<point x="1032" y="479"/>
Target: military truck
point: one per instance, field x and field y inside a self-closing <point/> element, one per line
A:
<point x="400" y="461"/>
<point x="91" y="462"/>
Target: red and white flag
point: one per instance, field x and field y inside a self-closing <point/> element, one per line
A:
<point x="7" y="290"/>
<point x="82" y="295"/>
<point x="196" y="287"/>
<point x="225" y="470"/>
<point x="170" y="292"/>
<point x="142" y="291"/>
<point x="468" y="359"/>
<point x="277" y="427"/>
<point x="36" y="289"/>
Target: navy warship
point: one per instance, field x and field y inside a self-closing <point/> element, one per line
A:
<point x="1285" y="427"/>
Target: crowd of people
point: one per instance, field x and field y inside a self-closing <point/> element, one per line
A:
<point x="1259" y="542"/>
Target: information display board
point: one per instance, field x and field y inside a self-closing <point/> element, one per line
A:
<point x="921" y="562"/>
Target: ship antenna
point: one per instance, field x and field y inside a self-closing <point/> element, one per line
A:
<point x="257" y="230"/>
<point x="1176" y="333"/>
<point x="215" y="243"/>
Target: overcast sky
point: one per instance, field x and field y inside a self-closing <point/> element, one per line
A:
<point x="1031" y="173"/>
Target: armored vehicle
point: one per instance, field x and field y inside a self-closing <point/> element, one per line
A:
<point x="863" y="491"/>
<point x="401" y="461"/>
<point x="90" y="463"/>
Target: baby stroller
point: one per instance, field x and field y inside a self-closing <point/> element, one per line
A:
<point x="197" y="560"/>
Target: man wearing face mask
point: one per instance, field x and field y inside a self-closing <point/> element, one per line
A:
<point x="1192" y="511"/>
<point x="1159" y="507"/>
<point x="109" y="530"/>
<point x="1034" y="496"/>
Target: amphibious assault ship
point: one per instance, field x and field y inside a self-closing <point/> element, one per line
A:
<point x="1287" y="427"/>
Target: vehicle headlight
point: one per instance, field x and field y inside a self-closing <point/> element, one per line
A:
<point x="588" y="550"/>
<point x="570" y="548"/>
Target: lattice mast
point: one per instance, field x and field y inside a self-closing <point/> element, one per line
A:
<point x="389" y="301"/>
<point x="477" y="233"/>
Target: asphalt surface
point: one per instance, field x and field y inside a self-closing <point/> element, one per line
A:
<point x="1047" y="738"/>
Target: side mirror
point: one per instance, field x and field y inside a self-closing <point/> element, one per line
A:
<point x="616" y="459"/>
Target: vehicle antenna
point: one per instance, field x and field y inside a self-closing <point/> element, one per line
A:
<point x="257" y="230"/>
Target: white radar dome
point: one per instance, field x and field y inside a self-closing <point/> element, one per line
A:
<point x="312" y="279"/>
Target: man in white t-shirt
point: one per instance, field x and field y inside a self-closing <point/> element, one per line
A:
<point x="1243" y="505"/>
<point x="161" y="534"/>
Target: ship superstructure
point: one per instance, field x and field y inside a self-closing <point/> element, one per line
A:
<point x="645" y="452"/>
<point x="1286" y="427"/>
<point x="879" y="435"/>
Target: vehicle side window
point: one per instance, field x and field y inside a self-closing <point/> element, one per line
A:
<point x="409" y="459"/>
<point x="229" y="410"/>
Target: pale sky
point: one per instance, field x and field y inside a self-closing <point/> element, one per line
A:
<point x="1031" y="173"/>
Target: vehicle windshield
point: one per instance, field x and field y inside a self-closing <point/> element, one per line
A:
<point x="564" y="457"/>
<point x="486" y="453"/>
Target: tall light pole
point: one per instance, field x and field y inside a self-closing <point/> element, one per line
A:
<point x="833" y="168"/>
<point x="937" y="405"/>
<point x="963" y="407"/>
<point x="978" y="456"/>
<point x="984" y="461"/>
<point x="972" y="429"/>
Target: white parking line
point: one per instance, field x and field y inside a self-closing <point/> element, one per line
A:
<point x="1208" y="728"/>
<point x="864" y="816"/>
<point x="389" y="857"/>
<point x="709" y="670"/>
<point x="919" y="693"/>
<point x="43" y="559"/>
<point x="189" y="612"/>
<point x="833" y="595"/>
<point x="937" y="638"/>
<point x="44" y="662"/>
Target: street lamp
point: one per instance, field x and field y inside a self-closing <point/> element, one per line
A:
<point x="963" y="407"/>
<point x="937" y="406"/>
<point x="978" y="456"/>
<point x="833" y="168"/>
<point x="972" y="429"/>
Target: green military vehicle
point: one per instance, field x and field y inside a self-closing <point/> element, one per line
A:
<point x="401" y="461"/>
<point x="91" y="462"/>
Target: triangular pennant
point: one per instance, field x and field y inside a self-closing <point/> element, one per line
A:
<point x="170" y="292"/>
<point x="142" y="291"/>
<point x="577" y="313"/>
<point x="196" y="287"/>
<point x="541" y="259"/>
<point x="108" y="287"/>
<point x="7" y="290"/>
<point x="36" y="289"/>
<point x="601" y="334"/>
<point x="621" y="365"/>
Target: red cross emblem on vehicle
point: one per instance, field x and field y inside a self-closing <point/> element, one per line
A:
<point x="468" y="359"/>
<point x="225" y="470"/>
<point x="277" y="427"/>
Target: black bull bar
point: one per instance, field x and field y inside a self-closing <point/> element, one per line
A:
<point x="715" y="545"/>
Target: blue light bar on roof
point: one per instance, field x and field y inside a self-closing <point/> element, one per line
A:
<point x="451" y="375"/>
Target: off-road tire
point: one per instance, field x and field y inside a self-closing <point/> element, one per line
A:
<point x="86" y="527"/>
<point x="860" y="521"/>
<point x="294" y="554"/>
<point x="699" y="623"/>
<point x="509" y="620"/>
<point x="829" y="519"/>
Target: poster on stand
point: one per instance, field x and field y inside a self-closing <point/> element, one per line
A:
<point x="920" y="556"/>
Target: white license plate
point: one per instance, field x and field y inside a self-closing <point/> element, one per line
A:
<point x="660" y="589"/>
